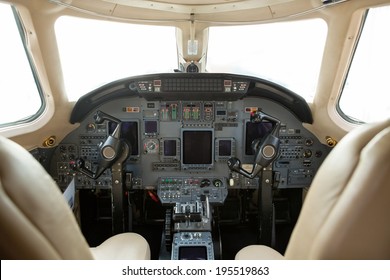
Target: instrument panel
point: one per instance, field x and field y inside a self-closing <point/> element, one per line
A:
<point x="188" y="139"/>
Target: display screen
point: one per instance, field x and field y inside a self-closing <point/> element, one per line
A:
<point x="193" y="253"/>
<point x="197" y="146"/>
<point x="150" y="127"/>
<point x="170" y="148"/>
<point x="225" y="148"/>
<point x="255" y="131"/>
<point x="129" y="133"/>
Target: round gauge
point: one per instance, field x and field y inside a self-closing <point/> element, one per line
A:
<point x="91" y="127"/>
<point x="217" y="183"/>
<point x="151" y="146"/>
<point x="192" y="68"/>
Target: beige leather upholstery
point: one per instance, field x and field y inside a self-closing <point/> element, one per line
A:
<point x="258" y="252"/>
<point x="346" y="212"/>
<point x="36" y="221"/>
<point x="123" y="246"/>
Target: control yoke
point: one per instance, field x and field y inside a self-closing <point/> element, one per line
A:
<point x="109" y="150"/>
<point x="266" y="150"/>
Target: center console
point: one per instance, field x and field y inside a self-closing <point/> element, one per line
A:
<point x="192" y="199"/>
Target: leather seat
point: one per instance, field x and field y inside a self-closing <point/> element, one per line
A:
<point x="346" y="212"/>
<point x="36" y="221"/>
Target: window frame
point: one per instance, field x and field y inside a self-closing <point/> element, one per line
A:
<point x="344" y="81"/>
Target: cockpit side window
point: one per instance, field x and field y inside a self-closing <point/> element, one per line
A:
<point x="21" y="98"/>
<point x="365" y="96"/>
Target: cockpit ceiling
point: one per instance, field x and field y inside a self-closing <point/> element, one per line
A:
<point x="210" y="2"/>
<point x="201" y="10"/>
<point x="200" y="7"/>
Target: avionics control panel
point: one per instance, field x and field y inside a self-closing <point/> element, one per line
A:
<point x="187" y="126"/>
<point x="179" y="140"/>
<point x="173" y="190"/>
<point x="192" y="246"/>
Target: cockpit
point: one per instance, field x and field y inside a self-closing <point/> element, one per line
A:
<point x="179" y="155"/>
<point x="198" y="131"/>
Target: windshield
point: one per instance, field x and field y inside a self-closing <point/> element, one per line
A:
<point x="288" y="53"/>
<point x="94" y="52"/>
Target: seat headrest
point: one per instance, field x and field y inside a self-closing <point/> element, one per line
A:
<point x="35" y="220"/>
<point x="344" y="214"/>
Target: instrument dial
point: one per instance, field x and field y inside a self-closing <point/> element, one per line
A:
<point x="217" y="183"/>
<point x="151" y="146"/>
<point x="90" y="128"/>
